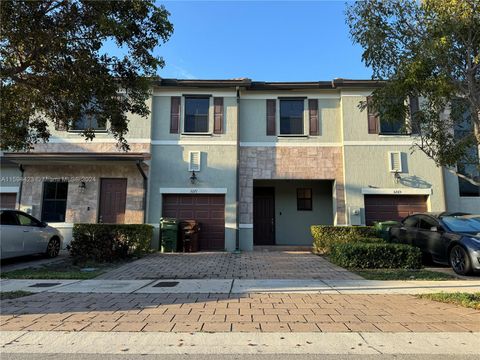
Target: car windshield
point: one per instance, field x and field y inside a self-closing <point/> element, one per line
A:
<point x="462" y="224"/>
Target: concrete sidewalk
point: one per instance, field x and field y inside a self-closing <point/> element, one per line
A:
<point x="129" y="344"/>
<point x="241" y="286"/>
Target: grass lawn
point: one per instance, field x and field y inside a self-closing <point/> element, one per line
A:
<point x="62" y="270"/>
<point x="8" y="295"/>
<point x="401" y="274"/>
<point x="462" y="299"/>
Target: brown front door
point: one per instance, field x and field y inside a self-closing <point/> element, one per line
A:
<point x="208" y="210"/>
<point x="8" y="200"/>
<point x="264" y="216"/>
<point x="113" y="197"/>
<point x="392" y="207"/>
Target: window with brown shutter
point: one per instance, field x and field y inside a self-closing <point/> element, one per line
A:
<point x="174" y="114"/>
<point x="373" y="118"/>
<point x="218" y="115"/>
<point x="271" y="109"/>
<point x="313" y="116"/>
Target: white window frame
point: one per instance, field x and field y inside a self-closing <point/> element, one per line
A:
<point x="210" y="115"/>
<point x="306" y="122"/>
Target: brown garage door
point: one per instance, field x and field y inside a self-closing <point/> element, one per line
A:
<point x="208" y="210"/>
<point x="392" y="207"/>
<point x="7" y="200"/>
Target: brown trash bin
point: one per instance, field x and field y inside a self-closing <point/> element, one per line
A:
<point x="189" y="230"/>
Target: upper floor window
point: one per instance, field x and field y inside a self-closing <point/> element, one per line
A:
<point x="88" y="122"/>
<point x="291" y="117"/>
<point x="196" y="114"/>
<point x="389" y="125"/>
<point x="392" y="127"/>
<point x="54" y="204"/>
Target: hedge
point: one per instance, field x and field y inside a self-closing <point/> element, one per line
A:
<point x="324" y="236"/>
<point x="110" y="242"/>
<point x="376" y="256"/>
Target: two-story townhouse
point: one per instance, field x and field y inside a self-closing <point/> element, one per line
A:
<point x="256" y="163"/>
<point x="70" y="180"/>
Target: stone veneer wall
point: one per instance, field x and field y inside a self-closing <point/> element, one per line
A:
<point x="78" y="201"/>
<point x="301" y="163"/>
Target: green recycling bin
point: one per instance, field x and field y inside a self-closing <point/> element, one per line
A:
<point x="383" y="228"/>
<point x="168" y="234"/>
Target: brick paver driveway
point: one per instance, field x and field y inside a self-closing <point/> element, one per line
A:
<point x="224" y="265"/>
<point x="234" y="312"/>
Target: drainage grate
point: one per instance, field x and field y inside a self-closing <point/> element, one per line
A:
<point x="166" y="284"/>
<point x="40" y="285"/>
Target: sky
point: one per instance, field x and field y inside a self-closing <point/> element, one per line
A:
<point x="263" y="41"/>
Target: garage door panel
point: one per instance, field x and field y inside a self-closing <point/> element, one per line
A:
<point x="208" y="210"/>
<point x="392" y="207"/>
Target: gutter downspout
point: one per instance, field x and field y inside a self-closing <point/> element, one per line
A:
<point x="22" y="170"/>
<point x="237" y="181"/>
<point x="145" y="189"/>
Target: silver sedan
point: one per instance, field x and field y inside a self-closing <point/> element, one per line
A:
<point x="21" y="234"/>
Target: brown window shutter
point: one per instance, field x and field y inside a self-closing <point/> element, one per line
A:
<point x="175" y="115"/>
<point x="271" y="109"/>
<point x="313" y="116"/>
<point x="414" y="108"/>
<point x="218" y="115"/>
<point x="373" y="118"/>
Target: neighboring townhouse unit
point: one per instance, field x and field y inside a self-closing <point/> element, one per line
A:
<point x="256" y="163"/>
<point x="69" y="180"/>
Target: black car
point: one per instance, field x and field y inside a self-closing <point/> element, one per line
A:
<point x="448" y="238"/>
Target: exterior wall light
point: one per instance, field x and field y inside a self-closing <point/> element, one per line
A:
<point x="193" y="177"/>
<point x="82" y="186"/>
<point x="397" y="177"/>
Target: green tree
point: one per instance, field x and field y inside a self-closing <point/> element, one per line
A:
<point x="428" y="49"/>
<point x="53" y="65"/>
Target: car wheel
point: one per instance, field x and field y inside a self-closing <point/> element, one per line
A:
<point x="53" y="248"/>
<point x="460" y="261"/>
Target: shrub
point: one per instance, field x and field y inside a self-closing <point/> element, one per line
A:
<point x="326" y="235"/>
<point x="110" y="242"/>
<point x="376" y="256"/>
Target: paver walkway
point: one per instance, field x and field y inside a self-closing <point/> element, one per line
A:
<point x="225" y="265"/>
<point x="234" y="313"/>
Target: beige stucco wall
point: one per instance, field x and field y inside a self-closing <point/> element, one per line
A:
<point x="82" y="206"/>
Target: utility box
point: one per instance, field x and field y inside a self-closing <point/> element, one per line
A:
<point x="354" y="216"/>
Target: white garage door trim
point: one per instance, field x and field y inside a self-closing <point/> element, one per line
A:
<point x="396" y="191"/>
<point x="193" y="190"/>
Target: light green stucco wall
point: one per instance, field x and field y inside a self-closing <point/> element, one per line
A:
<point x="170" y="170"/>
<point x="367" y="166"/>
<point x="454" y="201"/>
<point x="292" y="227"/>
<point x="253" y="122"/>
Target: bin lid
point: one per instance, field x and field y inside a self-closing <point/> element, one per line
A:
<point x="166" y="220"/>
